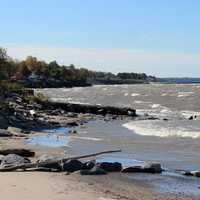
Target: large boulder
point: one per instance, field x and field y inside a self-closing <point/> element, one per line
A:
<point x="94" y="171"/>
<point x="72" y="166"/>
<point x="148" y="168"/>
<point x="133" y="169"/>
<point x="195" y="173"/>
<point x="110" y="167"/>
<point x="88" y="165"/>
<point x="13" y="159"/>
<point x="45" y="162"/>
<point x="14" y="130"/>
<point x="153" y="168"/>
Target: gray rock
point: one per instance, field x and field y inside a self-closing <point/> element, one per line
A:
<point x="187" y="173"/>
<point x="148" y="168"/>
<point x="14" y="130"/>
<point x="196" y="173"/>
<point x="153" y="167"/>
<point x="134" y="169"/>
<point x="47" y="158"/>
<point x="88" y="165"/>
<point x="13" y="159"/>
<point x="72" y="166"/>
<point x="94" y="171"/>
<point x="110" y="167"/>
<point x="52" y="166"/>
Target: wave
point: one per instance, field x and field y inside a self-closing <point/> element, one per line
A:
<point x="155" y="106"/>
<point x="135" y="94"/>
<point x="162" y="129"/>
<point x="185" y="94"/>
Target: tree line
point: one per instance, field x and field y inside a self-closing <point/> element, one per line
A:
<point x="14" y="70"/>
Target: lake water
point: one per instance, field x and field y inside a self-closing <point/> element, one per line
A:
<point x="174" y="142"/>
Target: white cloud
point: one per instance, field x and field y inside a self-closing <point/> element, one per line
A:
<point x="115" y="60"/>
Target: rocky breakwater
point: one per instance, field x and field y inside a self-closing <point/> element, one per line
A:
<point x="93" y="109"/>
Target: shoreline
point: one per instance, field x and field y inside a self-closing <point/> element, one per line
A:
<point x="120" y="185"/>
<point x="97" y="184"/>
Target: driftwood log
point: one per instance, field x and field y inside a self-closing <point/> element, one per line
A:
<point x="20" y="152"/>
<point x="41" y="164"/>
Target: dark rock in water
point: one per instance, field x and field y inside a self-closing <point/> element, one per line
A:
<point x="72" y="124"/>
<point x="94" y="171"/>
<point x="72" y="131"/>
<point x="149" y="168"/>
<point x="13" y="159"/>
<point x="47" y="158"/>
<point x="5" y="133"/>
<point x="114" y="117"/>
<point x="110" y="167"/>
<point x="88" y="165"/>
<point x="72" y="166"/>
<point x="187" y="173"/>
<point x="191" y="118"/>
<point x="196" y="173"/>
<point x="153" y="168"/>
<point x="133" y="169"/>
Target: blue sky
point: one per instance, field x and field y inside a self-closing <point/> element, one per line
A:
<point x="160" y="37"/>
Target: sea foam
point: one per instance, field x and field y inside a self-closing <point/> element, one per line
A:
<point x="153" y="128"/>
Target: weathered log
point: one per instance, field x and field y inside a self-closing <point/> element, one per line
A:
<point x="93" y="109"/>
<point x="20" y="152"/>
<point x="41" y="164"/>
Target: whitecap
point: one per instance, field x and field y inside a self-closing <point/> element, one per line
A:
<point x="125" y="94"/>
<point x="135" y="94"/>
<point x="138" y="102"/>
<point x="184" y="94"/>
<point x="150" y="128"/>
<point x="155" y="106"/>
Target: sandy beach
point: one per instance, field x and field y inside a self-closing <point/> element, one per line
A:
<point x="54" y="186"/>
<point x="61" y="186"/>
<point x="83" y="134"/>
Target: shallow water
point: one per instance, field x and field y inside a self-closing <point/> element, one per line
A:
<point x="57" y="137"/>
<point x="174" y="143"/>
<point x="171" y="183"/>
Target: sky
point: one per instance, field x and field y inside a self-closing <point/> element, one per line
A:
<point x="158" y="37"/>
